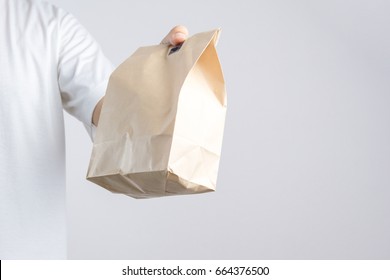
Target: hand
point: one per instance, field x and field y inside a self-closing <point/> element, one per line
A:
<point x="176" y="36"/>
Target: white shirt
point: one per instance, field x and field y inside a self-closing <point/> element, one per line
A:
<point x="48" y="62"/>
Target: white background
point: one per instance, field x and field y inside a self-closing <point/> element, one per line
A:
<point x="305" y="169"/>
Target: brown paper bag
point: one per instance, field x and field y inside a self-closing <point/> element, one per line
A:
<point x="161" y="126"/>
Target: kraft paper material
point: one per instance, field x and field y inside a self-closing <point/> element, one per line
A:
<point x="161" y="126"/>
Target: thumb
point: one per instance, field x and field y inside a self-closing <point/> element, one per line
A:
<point x="176" y="36"/>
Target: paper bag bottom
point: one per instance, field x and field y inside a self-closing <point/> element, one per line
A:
<point x="149" y="184"/>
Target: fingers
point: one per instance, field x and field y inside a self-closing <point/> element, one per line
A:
<point x="176" y="36"/>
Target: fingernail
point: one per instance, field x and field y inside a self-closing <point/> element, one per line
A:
<point x="179" y="35"/>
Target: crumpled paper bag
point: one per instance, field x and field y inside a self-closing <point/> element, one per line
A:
<point x="161" y="126"/>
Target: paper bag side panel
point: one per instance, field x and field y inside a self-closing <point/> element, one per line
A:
<point x="199" y="125"/>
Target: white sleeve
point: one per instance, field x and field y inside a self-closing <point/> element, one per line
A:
<point x="83" y="71"/>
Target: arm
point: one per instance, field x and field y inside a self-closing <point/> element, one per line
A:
<point x="176" y="36"/>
